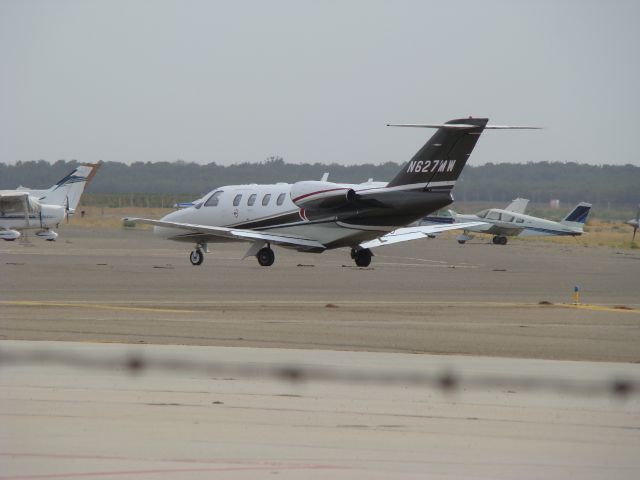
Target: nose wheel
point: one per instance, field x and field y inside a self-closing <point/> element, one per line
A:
<point x="362" y="256"/>
<point x="196" y="257"/>
<point x="266" y="257"/>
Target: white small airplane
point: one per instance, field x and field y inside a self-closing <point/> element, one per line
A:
<point x="512" y="222"/>
<point x="314" y="216"/>
<point x="42" y="210"/>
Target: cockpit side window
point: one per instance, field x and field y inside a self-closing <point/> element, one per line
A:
<point x="213" y="200"/>
<point x="280" y="200"/>
<point x="493" y="216"/>
<point x="483" y="213"/>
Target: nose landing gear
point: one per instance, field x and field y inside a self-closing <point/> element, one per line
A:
<point x="196" y="257"/>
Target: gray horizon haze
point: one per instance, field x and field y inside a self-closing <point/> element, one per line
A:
<point x="229" y="82"/>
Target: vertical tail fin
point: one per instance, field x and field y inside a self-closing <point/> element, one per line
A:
<point x="440" y="161"/>
<point x="519" y="205"/>
<point x="578" y="216"/>
<point x="67" y="192"/>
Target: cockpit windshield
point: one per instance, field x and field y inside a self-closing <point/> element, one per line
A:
<point x="213" y="200"/>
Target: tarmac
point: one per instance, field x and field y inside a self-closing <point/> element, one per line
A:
<point x="428" y="296"/>
<point x="429" y="307"/>
<point x="69" y="421"/>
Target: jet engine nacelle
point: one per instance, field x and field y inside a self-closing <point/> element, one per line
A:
<point x="9" y="235"/>
<point x="312" y="195"/>
<point x="48" y="235"/>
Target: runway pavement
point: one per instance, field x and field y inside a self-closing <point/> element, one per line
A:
<point x="62" y="421"/>
<point x="431" y="296"/>
<point x="461" y="308"/>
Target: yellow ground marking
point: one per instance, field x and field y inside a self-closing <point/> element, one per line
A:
<point x="310" y="303"/>
<point x="28" y="303"/>
<point x="598" y="308"/>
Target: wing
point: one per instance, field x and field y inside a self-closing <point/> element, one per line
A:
<point x="236" y="234"/>
<point x="13" y="194"/>
<point x="414" y="233"/>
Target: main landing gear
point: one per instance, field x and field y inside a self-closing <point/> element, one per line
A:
<point x="265" y="256"/>
<point x="362" y="256"/>
<point x="499" y="240"/>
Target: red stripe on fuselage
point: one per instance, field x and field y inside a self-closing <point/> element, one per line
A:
<point x="319" y="191"/>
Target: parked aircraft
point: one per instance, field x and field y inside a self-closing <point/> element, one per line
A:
<point x="510" y="223"/>
<point x="42" y="210"/>
<point x="313" y="216"/>
<point x="634" y="223"/>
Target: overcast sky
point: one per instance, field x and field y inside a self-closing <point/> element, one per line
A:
<point x="315" y="81"/>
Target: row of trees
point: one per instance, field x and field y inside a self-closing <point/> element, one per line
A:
<point x="540" y="182"/>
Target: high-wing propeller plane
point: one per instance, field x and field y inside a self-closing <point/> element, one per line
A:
<point x="42" y="210"/>
<point x="314" y="216"/>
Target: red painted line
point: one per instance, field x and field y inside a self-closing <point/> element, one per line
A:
<point x="63" y="455"/>
<point x="164" y="471"/>
<point x="319" y="191"/>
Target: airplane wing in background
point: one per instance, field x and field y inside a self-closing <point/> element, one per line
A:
<point x="13" y="194"/>
<point x="414" y="233"/>
<point x="236" y="234"/>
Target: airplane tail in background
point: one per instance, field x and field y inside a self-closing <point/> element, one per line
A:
<point x="67" y="192"/>
<point x="578" y="216"/>
<point x="438" y="164"/>
<point x="519" y="205"/>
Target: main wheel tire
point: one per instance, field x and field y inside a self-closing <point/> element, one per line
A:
<point x="495" y="240"/>
<point x="502" y="240"/>
<point x="362" y="257"/>
<point x="461" y="242"/>
<point x="196" y="257"/>
<point x="266" y="257"/>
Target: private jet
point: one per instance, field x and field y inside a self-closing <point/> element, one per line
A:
<point x="314" y="216"/>
<point x="25" y="209"/>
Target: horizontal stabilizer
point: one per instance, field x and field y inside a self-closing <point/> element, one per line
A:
<point x="462" y="126"/>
